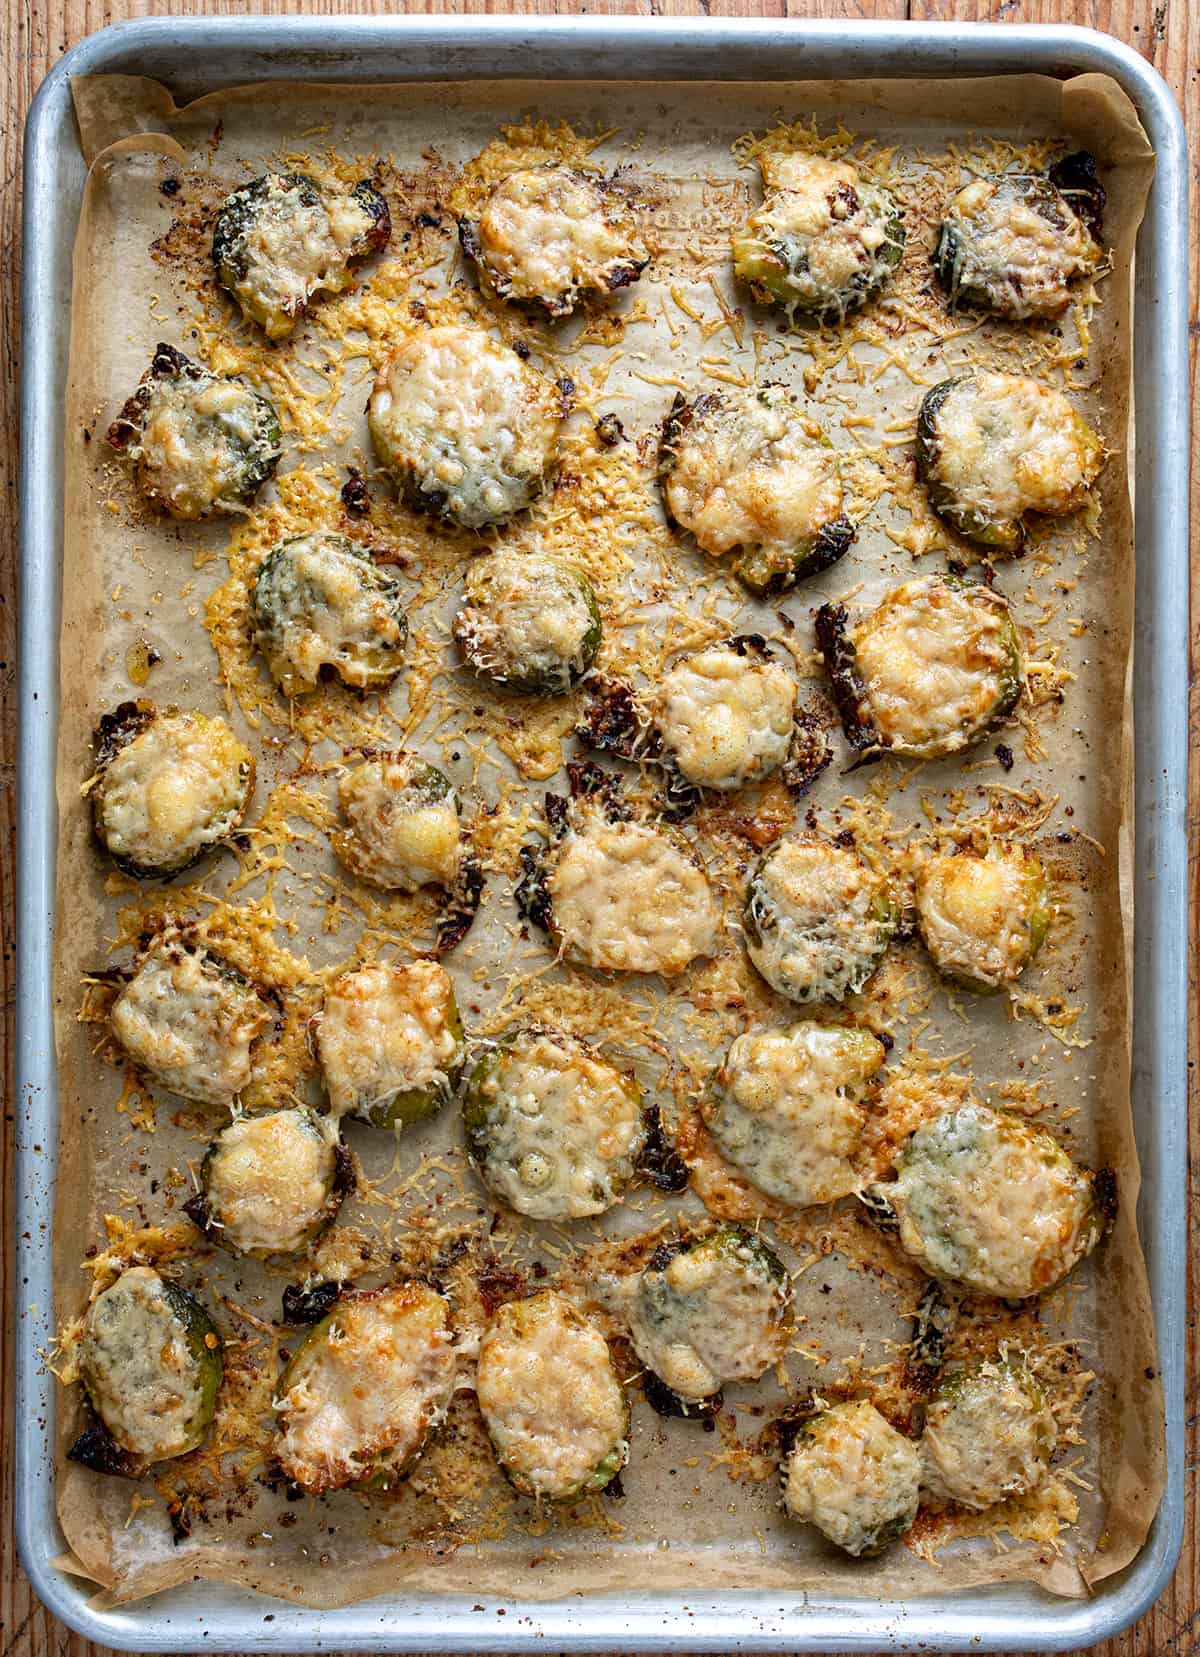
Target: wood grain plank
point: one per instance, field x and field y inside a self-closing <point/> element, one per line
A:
<point x="33" y="35"/>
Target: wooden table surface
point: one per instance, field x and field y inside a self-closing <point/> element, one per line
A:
<point x="33" y="35"/>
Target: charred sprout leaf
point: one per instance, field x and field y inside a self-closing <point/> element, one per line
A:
<point x="355" y="498"/>
<point x="303" y="1305"/>
<point x="609" y="431"/>
<point x="461" y="904"/>
<point x="751" y="644"/>
<point x="780" y="1435"/>
<point x="181" y="1521"/>
<point x="810" y="755"/>
<point x="558" y="814"/>
<point x="98" y="1449"/>
<point x="345" y="1175"/>
<point x="613" y="722"/>
<point x="114" y="730"/>
<point x="197" y="1210"/>
<point x="849" y="692"/>
<point x="532" y="893"/>
<point x="680" y="797"/>
<point x="1076" y="178"/>
<point x="663" y="1401"/>
<point x="936" y="1317"/>
<point x="588" y="782"/>
<point x="660" y="1162"/>
<point x="879" y="1211"/>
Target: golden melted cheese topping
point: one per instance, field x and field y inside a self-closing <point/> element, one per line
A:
<point x="387" y="1030"/>
<point x="549" y="234"/>
<point x="188" y="1023"/>
<point x="819" y="203"/>
<point x="936" y="661"/>
<point x="320" y="604"/>
<point x="1007" y="445"/>
<point x="854" y="1476"/>
<point x="181" y="784"/>
<point x="525" y="620"/>
<point x="988" y="1435"/>
<point x="713" y="1315"/>
<point x="983" y="1199"/>
<point x="191" y="449"/>
<point x="785" y="1109"/>
<point x="628" y="898"/>
<point x="818" y="919"/>
<point x="747" y="473"/>
<point x="366" y="1388"/>
<point x="144" y="1382"/>
<point x="292" y="248"/>
<point x="268" y="1181"/>
<point x="558" y="1130"/>
<point x="464" y="425"/>
<point x="726" y="718"/>
<point x="1024" y="261"/>
<point x="550" y="1397"/>
<point x="402" y="831"/>
<point x="977" y="915"/>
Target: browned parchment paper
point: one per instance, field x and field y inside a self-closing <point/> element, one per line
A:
<point x="128" y="577"/>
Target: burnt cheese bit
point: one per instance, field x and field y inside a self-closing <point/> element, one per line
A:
<point x="554" y="238"/>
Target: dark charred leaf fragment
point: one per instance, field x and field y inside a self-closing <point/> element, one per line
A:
<point x="880" y="1212"/>
<point x="532" y="894"/>
<point x="846" y="687"/>
<point x="461" y="904"/>
<point x="664" y="1401"/>
<point x="303" y="1306"/>
<point x="609" y="431"/>
<point x="811" y="752"/>
<point x="936" y="1316"/>
<point x="98" y="1449"/>
<point x="1076" y="177"/>
<point x="659" y="1161"/>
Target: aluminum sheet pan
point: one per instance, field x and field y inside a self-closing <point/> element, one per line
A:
<point x="198" y="55"/>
